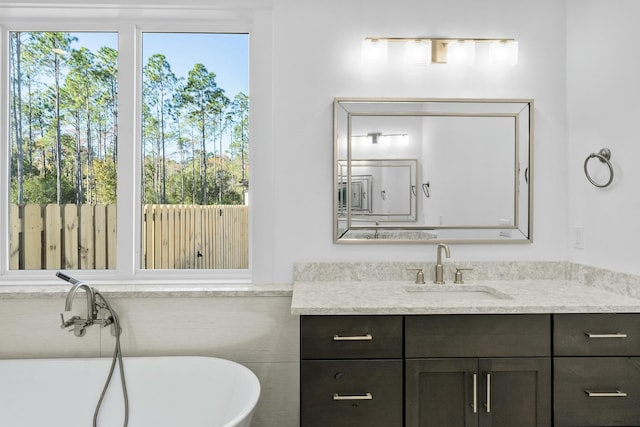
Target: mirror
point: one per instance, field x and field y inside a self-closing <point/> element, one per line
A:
<point x="433" y="170"/>
<point x="381" y="190"/>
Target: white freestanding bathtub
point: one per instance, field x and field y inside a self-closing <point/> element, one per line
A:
<point x="163" y="392"/>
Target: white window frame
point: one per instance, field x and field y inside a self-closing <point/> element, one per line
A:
<point x="130" y="23"/>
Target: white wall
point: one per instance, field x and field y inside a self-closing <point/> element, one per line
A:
<point x="603" y="88"/>
<point x="317" y="57"/>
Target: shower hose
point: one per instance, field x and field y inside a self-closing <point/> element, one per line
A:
<point x="117" y="355"/>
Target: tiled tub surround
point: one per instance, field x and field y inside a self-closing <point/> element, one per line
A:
<point x="249" y="324"/>
<point x="529" y="287"/>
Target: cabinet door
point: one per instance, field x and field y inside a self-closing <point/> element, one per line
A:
<point x="442" y="392"/>
<point x="515" y="392"/>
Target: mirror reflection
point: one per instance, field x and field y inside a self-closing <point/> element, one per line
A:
<point x="433" y="170"/>
<point x="381" y="190"/>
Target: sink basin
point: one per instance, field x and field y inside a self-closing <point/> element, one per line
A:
<point x="457" y="292"/>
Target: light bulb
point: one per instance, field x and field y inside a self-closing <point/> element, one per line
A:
<point x="503" y="52"/>
<point x="417" y="52"/>
<point x="461" y="52"/>
<point x="374" y="51"/>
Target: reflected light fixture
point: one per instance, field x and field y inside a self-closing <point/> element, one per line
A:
<point x="376" y="137"/>
<point x="462" y="51"/>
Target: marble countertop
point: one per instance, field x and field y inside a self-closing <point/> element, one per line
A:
<point x="474" y="297"/>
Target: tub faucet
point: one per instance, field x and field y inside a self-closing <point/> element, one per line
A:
<point x="439" y="276"/>
<point x="79" y="324"/>
<point x="92" y="309"/>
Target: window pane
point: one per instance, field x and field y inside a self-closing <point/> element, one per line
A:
<point x="195" y="151"/>
<point x="63" y="138"/>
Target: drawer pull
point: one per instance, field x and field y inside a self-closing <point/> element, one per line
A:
<point x="474" y="405"/>
<point x="366" y="337"/>
<point x="488" y="393"/>
<point x="616" y="393"/>
<point x="366" y="396"/>
<point x="616" y="335"/>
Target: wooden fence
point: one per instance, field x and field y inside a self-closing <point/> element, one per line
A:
<point x="84" y="237"/>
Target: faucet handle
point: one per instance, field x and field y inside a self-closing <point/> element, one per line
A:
<point x="419" y="275"/>
<point x="67" y="323"/>
<point x="458" y="279"/>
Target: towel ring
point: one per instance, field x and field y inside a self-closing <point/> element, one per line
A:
<point x="604" y="156"/>
<point x="426" y="189"/>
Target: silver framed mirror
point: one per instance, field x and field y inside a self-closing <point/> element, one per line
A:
<point x="433" y="170"/>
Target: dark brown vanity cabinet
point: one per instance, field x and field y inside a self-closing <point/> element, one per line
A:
<point x="596" y="370"/>
<point x="478" y="371"/>
<point x="351" y="371"/>
<point x="436" y="370"/>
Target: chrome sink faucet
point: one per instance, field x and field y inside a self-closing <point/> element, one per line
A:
<point x="439" y="275"/>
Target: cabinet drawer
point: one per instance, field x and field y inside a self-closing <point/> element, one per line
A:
<point x="597" y="391"/>
<point x="596" y="334"/>
<point x="350" y="337"/>
<point x="527" y="335"/>
<point x="351" y="393"/>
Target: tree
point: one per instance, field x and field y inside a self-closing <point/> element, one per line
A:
<point x="159" y="85"/>
<point x="203" y="100"/>
<point x="50" y="46"/>
<point x="240" y="138"/>
<point x="16" y="84"/>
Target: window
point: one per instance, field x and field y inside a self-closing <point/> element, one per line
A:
<point x="63" y="124"/>
<point x="195" y="112"/>
<point x="85" y="193"/>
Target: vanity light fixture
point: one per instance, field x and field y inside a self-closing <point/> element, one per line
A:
<point x="374" y="50"/>
<point x="460" y="51"/>
<point x="503" y="52"/>
<point x="417" y="52"/>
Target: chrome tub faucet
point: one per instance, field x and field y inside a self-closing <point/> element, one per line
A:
<point x="78" y="323"/>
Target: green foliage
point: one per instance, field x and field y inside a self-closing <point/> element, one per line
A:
<point x="194" y="139"/>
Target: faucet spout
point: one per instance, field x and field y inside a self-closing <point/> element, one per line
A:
<point x="439" y="270"/>
<point x="92" y="312"/>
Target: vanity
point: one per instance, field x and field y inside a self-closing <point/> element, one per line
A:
<point x="513" y="353"/>
<point x="536" y="348"/>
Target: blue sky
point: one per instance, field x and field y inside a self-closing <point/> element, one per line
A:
<point x="227" y="55"/>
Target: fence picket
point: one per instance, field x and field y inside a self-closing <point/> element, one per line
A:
<point x="14" y="237"/>
<point x="70" y="237"/>
<point x="111" y="236"/>
<point x="53" y="229"/>
<point x="173" y="236"/>
<point x="32" y="230"/>
<point x="100" y="237"/>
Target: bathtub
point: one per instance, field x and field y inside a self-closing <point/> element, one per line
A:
<point x="163" y="392"/>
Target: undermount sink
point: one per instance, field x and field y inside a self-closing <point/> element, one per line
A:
<point x="456" y="292"/>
